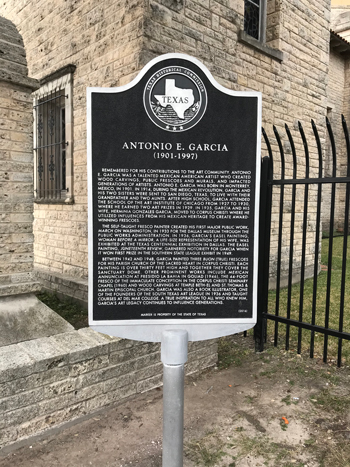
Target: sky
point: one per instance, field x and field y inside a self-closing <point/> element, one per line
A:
<point x="340" y="2"/>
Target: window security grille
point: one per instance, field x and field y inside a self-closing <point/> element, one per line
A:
<point x="50" y="152"/>
<point x="53" y="138"/>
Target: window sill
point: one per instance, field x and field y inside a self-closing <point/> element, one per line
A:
<point x="261" y="47"/>
<point x="54" y="201"/>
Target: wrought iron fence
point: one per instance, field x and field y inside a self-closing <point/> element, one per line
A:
<point x="284" y="265"/>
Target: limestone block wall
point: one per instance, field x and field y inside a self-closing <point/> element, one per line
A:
<point x="49" y="381"/>
<point x="335" y="108"/>
<point x="110" y="41"/>
<point x="16" y="164"/>
<point x="103" y="40"/>
<point x="292" y="89"/>
<point x="347" y="92"/>
<point x="344" y="159"/>
<point x="339" y="103"/>
<point x="16" y="189"/>
<point x="63" y="286"/>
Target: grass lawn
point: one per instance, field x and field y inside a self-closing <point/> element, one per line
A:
<point x="336" y="269"/>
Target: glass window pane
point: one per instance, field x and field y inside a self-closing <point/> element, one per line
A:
<point x="252" y="18"/>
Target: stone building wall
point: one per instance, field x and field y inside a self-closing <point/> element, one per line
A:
<point x="338" y="104"/>
<point x="109" y="42"/>
<point x="16" y="165"/>
<point x="16" y="174"/>
<point x="346" y="94"/>
<point x="335" y="109"/>
<point x="103" y="41"/>
<point x="345" y="34"/>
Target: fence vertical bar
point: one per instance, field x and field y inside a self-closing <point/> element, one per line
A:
<point x="345" y="243"/>
<point x="317" y="235"/>
<point x="330" y="245"/>
<point x="291" y="243"/>
<point x="268" y="226"/>
<point x="303" y="256"/>
<point x="264" y="241"/>
<point x="280" y="230"/>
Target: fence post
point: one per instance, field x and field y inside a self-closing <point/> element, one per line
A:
<point x="264" y="249"/>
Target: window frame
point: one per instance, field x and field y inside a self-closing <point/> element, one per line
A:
<point x="262" y="20"/>
<point x="58" y="81"/>
<point x="260" y="44"/>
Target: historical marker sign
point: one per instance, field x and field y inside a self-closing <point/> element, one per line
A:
<point x="174" y="163"/>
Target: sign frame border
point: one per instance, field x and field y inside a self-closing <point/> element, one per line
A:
<point x="151" y="330"/>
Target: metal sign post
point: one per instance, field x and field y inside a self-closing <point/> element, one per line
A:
<point x="173" y="177"/>
<point x="174" y="356"/>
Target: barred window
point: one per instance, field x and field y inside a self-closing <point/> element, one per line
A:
<point x="53" y="140"/>
<point x="254" y="18"/>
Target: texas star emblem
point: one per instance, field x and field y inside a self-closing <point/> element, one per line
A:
<point x="175" y="99"/>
